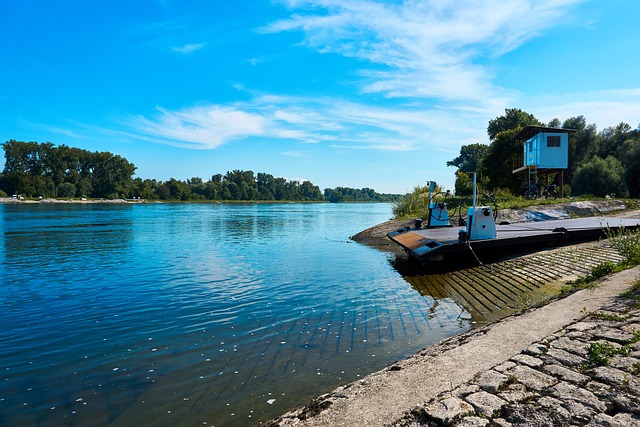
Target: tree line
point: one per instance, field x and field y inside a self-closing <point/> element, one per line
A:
<point x="43" y="170"/>
<point x="600" y="162"/>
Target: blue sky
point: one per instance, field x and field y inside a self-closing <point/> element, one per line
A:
<point x="356" y="93"/>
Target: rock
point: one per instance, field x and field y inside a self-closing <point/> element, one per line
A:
<point x="573" y="346"/>
<point x="569" y="392"/>
<point x="564" y="357"/>
<point x="566" y="374"/>
<point x="531" y="378"/>
<point x="473" y="422"/>
<point x="612" y="334"/>
<point x="491" y="381"/>
<point x="485" y="403"/>
<point x="611" y="376"/>
<point x="524" y="414"/>
<point x="448" y="410"/>
<point x="503" y="367"/>
<point x="536" y="349"/>
<point x="516" y="393"/>
<point x="525" y="359"/>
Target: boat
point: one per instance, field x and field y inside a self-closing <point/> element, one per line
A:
<point x="479" y="233"/>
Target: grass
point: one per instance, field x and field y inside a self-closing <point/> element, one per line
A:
<point x="416" y="204"/>
<point x="600" y="353"/>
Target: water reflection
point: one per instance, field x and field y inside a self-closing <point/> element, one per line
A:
<point x="184" y="314"/>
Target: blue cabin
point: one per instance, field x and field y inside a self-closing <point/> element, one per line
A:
<point x="545" y="152"/>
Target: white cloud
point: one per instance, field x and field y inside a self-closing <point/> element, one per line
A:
<point x="188" y="48"/>
<point x="423" y="48"/>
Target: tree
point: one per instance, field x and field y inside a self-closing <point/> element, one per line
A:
<point x="514" y="118"/>
<point x="583" y="144"/>
<point x="600" y="177"/>
<point x="470" y="158"/>
<point x="631" y="161"/>
<point x="499" y="162"/>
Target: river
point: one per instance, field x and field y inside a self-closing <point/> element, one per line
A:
<point x="197" y="314"/>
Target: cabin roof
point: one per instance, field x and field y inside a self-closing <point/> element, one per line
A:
<point x="530" y="131"/>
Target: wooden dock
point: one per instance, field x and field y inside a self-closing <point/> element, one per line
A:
<point x="433" y="244"/>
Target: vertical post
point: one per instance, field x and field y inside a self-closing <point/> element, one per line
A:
<point x="474" y="200"/>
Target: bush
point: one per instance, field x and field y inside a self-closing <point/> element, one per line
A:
<point x="66" y="189"/>
<point x="626" y="243"/>
<point x="600" y="177"/>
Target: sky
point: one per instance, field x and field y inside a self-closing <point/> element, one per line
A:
<point x="355" y="93"/>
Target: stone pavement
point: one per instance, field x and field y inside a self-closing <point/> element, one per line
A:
<point x="586" y="374"/>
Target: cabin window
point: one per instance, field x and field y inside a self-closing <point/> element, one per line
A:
<point x="553" y="141"/>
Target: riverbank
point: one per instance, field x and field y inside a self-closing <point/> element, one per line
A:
<point x="81" y="201"/>
<point x="533" y="368"/>
<point x="528" y="369"/>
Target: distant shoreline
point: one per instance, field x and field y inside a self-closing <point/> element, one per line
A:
<point x="10" y="200"/>
<point x="56" y="201"/>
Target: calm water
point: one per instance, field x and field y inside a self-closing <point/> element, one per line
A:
<point x="192" y="314"/>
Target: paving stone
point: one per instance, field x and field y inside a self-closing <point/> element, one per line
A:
<point x="603" y="420"/>
<point x="582" y="326"/>
<point x="631" y="327"/>
<point x="569" y="392"/>
<point x="624" y="363"/>
<point x="564" y="357"/>
<point x="504" y="366"/>
<point x="572" y="346"/>
<point x="610" y="375"/>
<point x="578" y="335"/>
<point x="579" y="413"/>
<point x="625" y="403"/>
<point x="490" y="380"/>
<point x="555" y="405"/>
<point x="516" y="393"/>
<point x="566" y="374"/>
<point x="536" y="349"/>
<point x="525" y="359"/>
<point x="485" y="403"/>
<point x="533" y="379"/>
<point x="447" y="411"/>
<point x="524" y="414"/>
<point x="612" y="334"/>
<point x="602" y="390"/>
<point x="501" y="422"/>
<point x="473" y="422"/>
<point x="465" y="390"/>
<point x="627" y="420"/>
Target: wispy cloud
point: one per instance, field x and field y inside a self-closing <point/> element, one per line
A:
<point x="431" y="60"/>
<point x="188" y="48"/>
<point x="341" y="124"/>
<point x="424" y="49"/>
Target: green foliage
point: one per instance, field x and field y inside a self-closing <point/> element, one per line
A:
<point x="600" y="177"/>
<point x="33" y="169"/>
<point x="499" y="161"/>
<point x="626" y="243"/>
<point x="414" y="204"/>
<point x="470" y="158"/>
<point x="607" y="316"/>
<point x="66" y="189"/>
<point x="513" y="119"/>
<point x="597" y="272"/>
<point x="343" y="194"/>
<point x="600" y="353"/>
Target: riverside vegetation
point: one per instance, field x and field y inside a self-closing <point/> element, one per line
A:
<point x="44" y="170"/>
